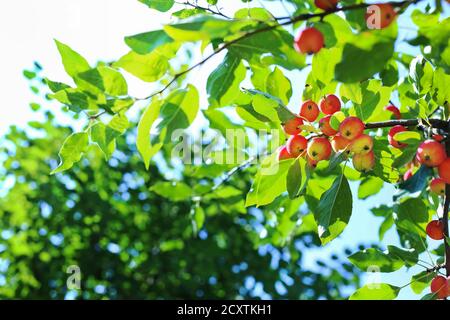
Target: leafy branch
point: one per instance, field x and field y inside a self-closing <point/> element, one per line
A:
<point x="267" y="28"/>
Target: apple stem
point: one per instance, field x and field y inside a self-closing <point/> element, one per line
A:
<point x="445" y="212"/>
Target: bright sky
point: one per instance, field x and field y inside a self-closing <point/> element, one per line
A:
<point x="96" y="29"/>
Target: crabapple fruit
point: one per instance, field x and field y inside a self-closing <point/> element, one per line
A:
<point x="296" y="145"/>
<point x="292" y="126"/>
<point x="431" y="153"/>
<point x="440" y="287"/>
<point x="364" y="162"/>
<point x="283" y="154"/>
<point x="330" y="104"/>
<point x="309" y="111"/>
<point x="444" y="171"/>
<point x="351" y="128"/>
<point x="435" y="230"/>
<point x="325" y="127"/>
<point x="319" y="148"/>
<point x="362" y="144"/>
<point x="437" y="186"/>
<point x="408" y="175"/>
<point x="326" y="4"/>
<point x="339" y="143"/>
<point x="381" y="18"/>
<point x="309" y="40"/>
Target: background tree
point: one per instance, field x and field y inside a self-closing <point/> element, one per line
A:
<point x="131" y="242"/>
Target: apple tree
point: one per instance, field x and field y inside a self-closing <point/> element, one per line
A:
<point x="368" y="112"/>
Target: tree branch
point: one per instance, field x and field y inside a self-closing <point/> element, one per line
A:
<point x="445" y="212"/>
<point x="196" y="6"/>
<point x="435" y="123"/>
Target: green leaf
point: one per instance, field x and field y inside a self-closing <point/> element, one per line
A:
<point x="324" y="63"/>
<point x="269" y="182"/>
<point x="377" y="291"/>
<point x="408" y="137"/>
<point x="418" y="181"/>
<point x="412" y="217"/>
<point x="199" y="217"/>
<point x="201" y="28"/>
<point x="174" y="191"/>
<point x="359" y="64"/>
<point x="179" y="110"/>
<point x="73" y="62"/>
<point x="104" y="79"/>
<point x="224" y="82"/>
<point x="368" y="258"/>
<point x="294" y="178"/>
<point x="160" y="5"/>
<point x="369" y="187"/>
<point x="385" y="226"/>
<point x="148" y="67"/>
<point x="145" y="43"/>
<point x="72" y="150"/>
<point x="265" y="102"/>
<point x="274" y="46"/>
<point x="408" y="256"/>
<point x="143" y="141"/>
<point x="279" y="86"/>
<point x="421" y="73"/>
<point x="374" y="98"/>
<point x="218" y="120"/>
<point x="421" y="281"/>
<point x="105" y="135"/>
<point x="334" y="210"/>
<point x="441" y="87"/>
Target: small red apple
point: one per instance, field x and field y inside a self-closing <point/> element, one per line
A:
<point x="440" y="287"/>
<point x="444" y="170"/>
<point x="362" y="144"/>
<point x="380" y="16"/>
<point x="319" y="148"/>
<point x="283" y="154"/>
<point x="326" y="4"/>
<point x="309" y="111"/>
<point x="309" y="41"/>
<point x="431" y="153"/>
<point x="296" y="145"/>
<point x="351" y="128"/>
<point x="364" y="162"/>
<point x="437" y="186"/>
<point x="435" y="230"/>
<point x="325" y="127"/>
<point x="292" y="126"/>
<point x="330" y="104"/>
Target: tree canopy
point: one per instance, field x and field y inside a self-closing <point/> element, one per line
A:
<point x="155" y="211"/>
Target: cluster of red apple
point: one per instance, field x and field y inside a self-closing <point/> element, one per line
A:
<point x="348" y="137"/>
<point x="311" y="40"/>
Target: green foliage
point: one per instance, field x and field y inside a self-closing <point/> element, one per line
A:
<point x="254" y="88"/>
<point x="122" y="223"/>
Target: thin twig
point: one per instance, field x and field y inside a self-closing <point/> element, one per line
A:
<point x="208" y="9"/>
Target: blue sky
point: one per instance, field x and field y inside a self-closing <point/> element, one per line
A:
<point x="96" y="29"/>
